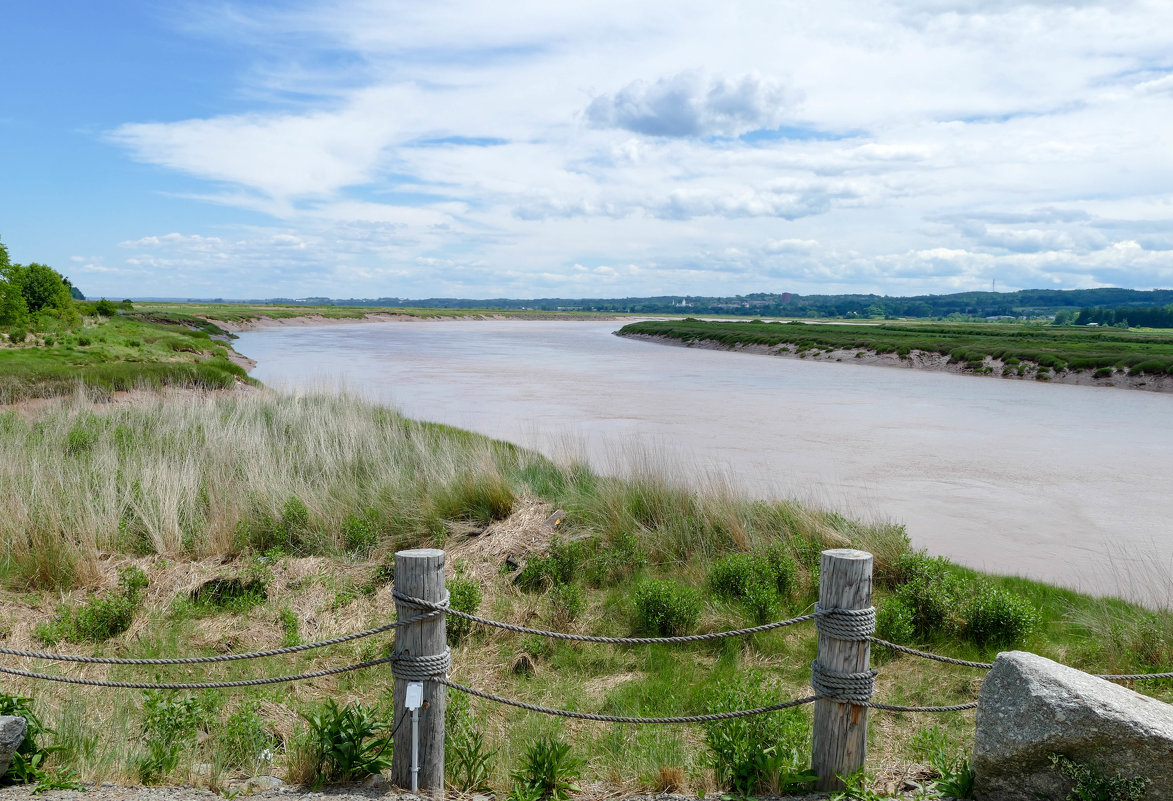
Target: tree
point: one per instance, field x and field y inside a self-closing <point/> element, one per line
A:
<point x="13" y="310"/>
<point x="44" y="289"/>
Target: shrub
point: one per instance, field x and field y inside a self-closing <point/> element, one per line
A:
<point x="566" y="602"/>
<point x="17" y="336"/>
<point x="894" y="621"/>
<point x="290" y="635"/>
<point x="666" y="609"/>
<point x="105" y="308"/>
<point x="84" y="341"/>
<point x="759" y="754"/>
<point x="244" y="741"/>
<point x="359" y="535"/>
<point x="99" y="619"/>
<point x="1103" y="372"/>
<point x="464" y="595"/>
<point x="997" y="617"/>
<point x="547" y="771"/>
<point x="346" y="743"/>
<point x="760" y="581"/>
<point x="170" y="723"/>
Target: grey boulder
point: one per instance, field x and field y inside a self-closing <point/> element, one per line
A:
<point x="12" y="730"/>
<point x="1030" y="707"/>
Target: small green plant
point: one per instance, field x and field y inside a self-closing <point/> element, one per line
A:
<point x="105" y="308"/>
<point x="956" y="779"/>
<point x="468" y="762"/>
<point x="566" y="602"/>
<point x="17" y="336"/>
<point x="359" y="535"/>
<point x="760" y="581"/>
<point x="99" y="619"/>
<point x="857" y="787"/>
<point x="664" y="608"/>
<point x="997" y="617"/>
<point x="1091" y="784"/>
<point x="244" y="741"/>
<point x="347" y="743"/>
<point x="464" y="595"/>
<point x="287" y="620"/>
<point x="170" y="724"/>
<point x="763" y="753"/>
<point x="548" y="771"/>
<point x="28" y="762"/>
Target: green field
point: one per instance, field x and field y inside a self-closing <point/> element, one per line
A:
<point x="1054" y="348"/>
<point x="104" y="354"/>
<point x="243" y="312"/>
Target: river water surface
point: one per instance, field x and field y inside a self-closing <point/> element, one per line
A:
<point x="1061" y="483"/>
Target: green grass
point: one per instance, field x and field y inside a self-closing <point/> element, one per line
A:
<point x="170" y="485"/>
<point x="1046" y="348"/>
<point x="123" y="352"/>
<point x="244" y="312"/>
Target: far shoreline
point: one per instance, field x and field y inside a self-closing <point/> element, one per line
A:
<point x="920" y="360"/>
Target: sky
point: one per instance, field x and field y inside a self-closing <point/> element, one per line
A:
<point x="436" y="148"/>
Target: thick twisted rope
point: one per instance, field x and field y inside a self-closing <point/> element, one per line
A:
<point x="421" y="668"/>
<point x="855" y="625"/>
<point x="854" y="688"/>
<point x="419" y="603"/>
<point x="199" y="660"/>
<point x="208" y="685"/>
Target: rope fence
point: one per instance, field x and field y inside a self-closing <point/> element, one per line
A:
<point x="850" y="630"/>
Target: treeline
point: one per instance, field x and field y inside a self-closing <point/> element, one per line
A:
<point x="35" y="295"/>
<point x="1031" y="303"/>
<point x="1149" y="317"/>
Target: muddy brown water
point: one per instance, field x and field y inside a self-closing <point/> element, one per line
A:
<point x="1062" y="483"/>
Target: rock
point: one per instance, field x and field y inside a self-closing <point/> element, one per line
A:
<point x="1030" y="707"/>
<point x="259" y="784"/>
<point x="12" y="730"/>
<point x="376" y="782"/>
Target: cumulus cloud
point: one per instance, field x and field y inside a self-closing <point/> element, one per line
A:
<point x="692" y="104"/>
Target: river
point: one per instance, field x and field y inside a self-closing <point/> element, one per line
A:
<point x="1061" y="483"/>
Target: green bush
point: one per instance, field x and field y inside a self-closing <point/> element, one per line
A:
<point x="929" y="590"/>
<point x="759" y="754"/>
<point x="359" y="535"/>
<point x="894" y="621"/>
<point x="99" y="619"/>
<point x="170" y="724"/>
<point x="290" y="625"/>
<point x="105" y="308"/>
<point x="665" y="608"/>
<point x="548" y="771"/>
<point x="347" y="743"/>
<point x="244" y="741"/>
<point x="567" y="602"/>
<point x="760" y="581"/>
<point x="999" y="618"/>
<point x="464" y="595"/>
<point x="17" y="336"/>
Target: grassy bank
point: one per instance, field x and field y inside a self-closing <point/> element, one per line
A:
<point x="105" y="353"/>
<point x="244" y="313"/>
<point x="117" y="516"/>
<point x="1040" y="351"/>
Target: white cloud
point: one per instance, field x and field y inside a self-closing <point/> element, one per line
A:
<point x="923" y="146"/>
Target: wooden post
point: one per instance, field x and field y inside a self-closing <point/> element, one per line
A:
<point x="841" y="729"/>
<point x="419" y="573"/>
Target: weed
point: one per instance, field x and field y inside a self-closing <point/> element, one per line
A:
<point x="548" y="771"/>
<point x="1091" y="784"/>
<point x="566" y="603"/>
<point x="359" y="535"/>
<point x="665" y="608"/>
<point x="763" y="753"/>
<point x="857" y="787"/>
<point x="244" y="740"/>
<point x="347" y="743"/>
<point x="999" y="618"/>
<point x="99" y="619"/>
<point x="464" y="595"/>
<point x="468" y="762"/>
<point x="169" y="726"/>
<point x="27" y="765"/>
<point x="287" y="620"/>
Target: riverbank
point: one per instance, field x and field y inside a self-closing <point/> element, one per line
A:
<point x="135" y="507"/>
<point x="923" y="360"/>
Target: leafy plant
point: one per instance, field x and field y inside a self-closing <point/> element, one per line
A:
<point x="997" y="617"/>
<point x="857" y="787"/>
<point x="359" y="535"/>
<point x="468" y="762"/>
<point x="244" y="739"/>
<point x="566" y="602"/>
<point x="169" y="726"/>
<point x="99" y="618"/>
<point x="287" y="620"/>
<point x="665" y="608"/>
<point x="28" y="762"/>
<point x="1091" y="784"/>
<point x="762" y="753"/>
<point x="347" y="742"/>
<point x="547" y="771"/>
<point x="464" y="595"/>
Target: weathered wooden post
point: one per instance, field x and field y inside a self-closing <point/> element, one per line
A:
<point x="841" y="729"/>
<point x="419" y="573"/>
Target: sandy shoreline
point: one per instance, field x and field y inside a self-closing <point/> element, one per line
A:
<point x="923" y="360"/>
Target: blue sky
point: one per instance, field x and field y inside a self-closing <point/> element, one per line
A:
<point x="363" y="148"/>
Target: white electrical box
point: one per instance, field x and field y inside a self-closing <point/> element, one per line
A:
<point x="415" y="695"/>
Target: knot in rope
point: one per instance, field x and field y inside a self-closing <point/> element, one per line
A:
<point x="846" y="624"/>
<point x="419" y="603"/>
<point x="847" y="687"/>
<point x="421" y="668"/>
